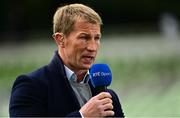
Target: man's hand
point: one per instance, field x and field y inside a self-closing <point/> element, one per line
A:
<point x="98" y="106"/>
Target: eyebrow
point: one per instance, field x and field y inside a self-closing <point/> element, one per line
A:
<point x="83" y="33"/>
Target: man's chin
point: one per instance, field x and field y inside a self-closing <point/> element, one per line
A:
<point x="87" y="66"/>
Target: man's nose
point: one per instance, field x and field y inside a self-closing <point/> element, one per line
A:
<point x="92" y="45"/>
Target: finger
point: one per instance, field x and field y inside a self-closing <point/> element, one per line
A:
<point x="106" y="101"/>
<point x="103" y="95"/>
<point x="108" y="106"/>
<point x="108" y="113"/>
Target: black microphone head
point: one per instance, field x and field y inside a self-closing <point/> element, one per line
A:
<point x="101" y="75"/>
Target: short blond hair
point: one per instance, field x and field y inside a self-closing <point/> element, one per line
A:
<point x="66" y="16"/>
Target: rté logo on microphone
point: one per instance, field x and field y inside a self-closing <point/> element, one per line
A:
<point x="101" y="74"/>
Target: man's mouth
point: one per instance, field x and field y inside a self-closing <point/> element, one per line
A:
<point x="88" y="59"/>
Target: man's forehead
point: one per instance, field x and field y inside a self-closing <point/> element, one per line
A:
<point x="85" y="24"/>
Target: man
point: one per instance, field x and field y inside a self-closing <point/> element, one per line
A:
<point x="62" y="88"/>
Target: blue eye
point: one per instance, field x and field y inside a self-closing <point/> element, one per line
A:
<point x="97" y="38"/>
<point x="84" y="37"/>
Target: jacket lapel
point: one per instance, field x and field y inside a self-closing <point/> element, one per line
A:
<point x="61" y="86"/>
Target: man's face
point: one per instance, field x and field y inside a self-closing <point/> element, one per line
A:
<point x="81" y="46"/>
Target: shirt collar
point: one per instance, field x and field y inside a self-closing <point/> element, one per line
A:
<point x="72" y="76"/>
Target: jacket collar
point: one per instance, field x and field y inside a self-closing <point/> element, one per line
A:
<point x="56" y="65"/>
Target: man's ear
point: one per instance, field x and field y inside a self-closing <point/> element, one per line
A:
<point x="59" y="39"/>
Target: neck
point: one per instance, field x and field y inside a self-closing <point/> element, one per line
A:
<point x="80" y="75"/>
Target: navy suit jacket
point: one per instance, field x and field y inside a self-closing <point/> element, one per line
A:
<point x="47" y="92"/>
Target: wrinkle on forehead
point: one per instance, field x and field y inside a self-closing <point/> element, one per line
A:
<point x="87" y="27"/>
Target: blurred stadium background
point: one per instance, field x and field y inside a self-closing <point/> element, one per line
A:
<point x="140" y="42"/>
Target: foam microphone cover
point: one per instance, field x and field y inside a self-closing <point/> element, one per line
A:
<point x="101" y="76"/>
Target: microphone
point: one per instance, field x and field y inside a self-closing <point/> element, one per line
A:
<point x="100" y="76"/>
